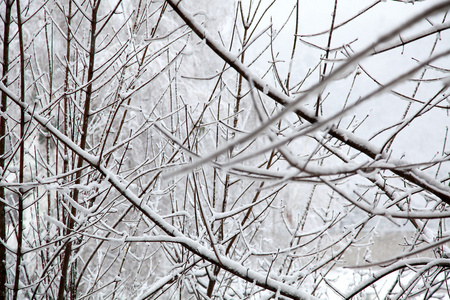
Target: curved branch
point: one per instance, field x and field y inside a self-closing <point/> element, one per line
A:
<point x="429" y="262"/>
<point x="195" y="247"/>
<point x="412" y="175"/>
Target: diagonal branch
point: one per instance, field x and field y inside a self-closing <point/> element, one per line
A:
<point x="225" y="263"/>
<point x="413" y="175"/>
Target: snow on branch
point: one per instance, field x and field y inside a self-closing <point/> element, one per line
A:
<point x="195" y="247"/>
<point x="292" y="105"/>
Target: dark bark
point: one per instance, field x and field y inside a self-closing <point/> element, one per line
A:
<point x="20" y="192"/>
<point x="7" y="22"/>
<point x="84" y="127"/>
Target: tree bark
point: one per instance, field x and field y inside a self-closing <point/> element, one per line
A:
<point x="7" y="22"/>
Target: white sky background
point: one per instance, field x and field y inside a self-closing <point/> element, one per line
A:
<point x="423" y="139"/>
<point x="418" y="142"/>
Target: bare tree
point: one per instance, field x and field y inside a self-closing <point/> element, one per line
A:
<point x="153" y="149"/>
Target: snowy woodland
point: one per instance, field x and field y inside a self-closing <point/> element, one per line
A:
<point x="232" y="149"/>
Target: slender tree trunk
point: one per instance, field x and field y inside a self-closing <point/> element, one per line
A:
<point x="7" y="22"/>
<point x="21" y="156"/>
<point x="87" y="104"/>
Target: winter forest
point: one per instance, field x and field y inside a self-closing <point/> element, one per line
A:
<point x="233" y="149"/>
